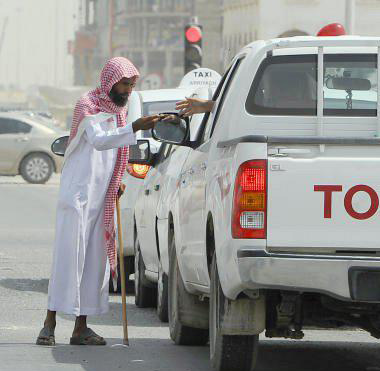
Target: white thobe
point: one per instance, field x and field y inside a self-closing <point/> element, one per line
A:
<point x="80" y="270"/>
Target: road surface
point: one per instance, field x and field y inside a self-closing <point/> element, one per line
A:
<point x="27" y="215"/>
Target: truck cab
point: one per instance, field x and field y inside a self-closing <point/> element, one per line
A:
<point x="274" y="226"/>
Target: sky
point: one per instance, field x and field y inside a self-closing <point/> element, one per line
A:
<point x="34" y="50"/>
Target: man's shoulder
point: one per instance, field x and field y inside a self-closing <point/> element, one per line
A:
<point x="84" y="101"/>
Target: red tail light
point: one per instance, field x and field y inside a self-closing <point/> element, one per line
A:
<point x="249" y="213"/>
<point x="138" y="171"/>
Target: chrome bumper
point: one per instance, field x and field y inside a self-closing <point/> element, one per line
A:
<point x="338" y="276"/>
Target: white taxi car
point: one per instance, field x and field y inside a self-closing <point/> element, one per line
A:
<point x="142" y="103"/>
<point x="151" y="212"/>
<point x="274" y="224"/>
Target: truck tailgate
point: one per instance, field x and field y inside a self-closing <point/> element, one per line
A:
<point x="323" y="198"/>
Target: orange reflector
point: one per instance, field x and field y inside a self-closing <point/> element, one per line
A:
<point x="252" y="201"/>
<point x="138" y="171"/>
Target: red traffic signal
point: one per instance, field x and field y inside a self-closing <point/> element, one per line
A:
<point x="332" y="29"/>
<point x="193" y="34"/>
<point x="192" y="47"/>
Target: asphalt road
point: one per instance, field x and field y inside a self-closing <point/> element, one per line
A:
<point x="27" y="215"/>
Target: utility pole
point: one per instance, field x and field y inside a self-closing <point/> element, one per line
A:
<point x="350" y="17"/>
<point x="111" y="11"/>
<point x="5" y="24"/>
<point x="56" y="42"/>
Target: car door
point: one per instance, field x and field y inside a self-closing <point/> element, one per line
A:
<point x="148" y="214"/>
<point x="14" y="138"/>
<point x="193" y="192"/>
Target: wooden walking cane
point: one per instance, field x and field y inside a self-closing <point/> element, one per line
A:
<point x="122" y="274"/>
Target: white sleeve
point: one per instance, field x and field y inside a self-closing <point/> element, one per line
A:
<point x="106" y="139"/>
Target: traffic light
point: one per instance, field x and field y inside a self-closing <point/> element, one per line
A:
<point x="193" y="47"/>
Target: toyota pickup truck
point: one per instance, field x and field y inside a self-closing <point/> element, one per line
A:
<point x="275" y="225"/>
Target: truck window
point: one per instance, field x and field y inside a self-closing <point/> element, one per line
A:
<point x="222" y="88"/>
<point x="350" y="87"/>
<point x="204" y="127"/>
<point x="287" y="85"/>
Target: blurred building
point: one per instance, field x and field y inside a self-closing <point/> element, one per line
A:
<point x="148" y="32"/>
<point x="92" y="44"/>
<point x="249" y="20"/>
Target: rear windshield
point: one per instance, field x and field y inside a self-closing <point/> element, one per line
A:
<point x="151" y="108"/>
<point x="287" y="85"/>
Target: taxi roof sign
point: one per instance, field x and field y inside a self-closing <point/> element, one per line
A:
<point x="200" y="77"/>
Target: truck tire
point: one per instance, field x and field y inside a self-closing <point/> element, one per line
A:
<point x="145" y="296"/>
<point x="228" y="352"/>
<point x="179" y="333"/>
<point x="162" y="295"/>
<point x="36" y="168"/>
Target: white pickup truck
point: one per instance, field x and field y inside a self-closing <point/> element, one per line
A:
<point x="274" y="225"/>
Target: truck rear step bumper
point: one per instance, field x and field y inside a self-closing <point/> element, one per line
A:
<point x="344" y="277"/>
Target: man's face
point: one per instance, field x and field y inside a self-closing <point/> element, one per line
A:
<point x="120" y="92"/>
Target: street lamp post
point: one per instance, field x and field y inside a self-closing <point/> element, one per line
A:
<point x="350" y="17"/>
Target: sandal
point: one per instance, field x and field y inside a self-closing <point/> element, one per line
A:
<point x="87" y="337"/>
<point x="46" y="337"/>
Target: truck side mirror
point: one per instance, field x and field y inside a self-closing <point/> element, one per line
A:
<point x="174" y="129"/>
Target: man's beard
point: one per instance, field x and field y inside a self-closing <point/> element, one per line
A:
<point x="119" y="99"/>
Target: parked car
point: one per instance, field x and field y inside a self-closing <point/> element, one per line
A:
<point x="150" y="215"/>
<point x="273" y="226"/>
<point x="142" y="103"/>
<point x="25" y="147"/>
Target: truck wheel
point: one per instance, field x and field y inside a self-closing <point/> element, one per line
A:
<point x="180" y="334"/>
<point x="228" y="352"/>
<point x="36" y="168"/>
<point x="162" y="294"/>
<point x="145" y="296"/>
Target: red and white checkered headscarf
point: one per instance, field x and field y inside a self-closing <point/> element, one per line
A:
<point x="96" y="101"/>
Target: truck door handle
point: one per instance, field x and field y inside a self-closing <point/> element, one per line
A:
<point x="156" y="187"/>
<point x="283" y="152"/>
<point x="203" y="166"/>
<point x="147" y="192"/>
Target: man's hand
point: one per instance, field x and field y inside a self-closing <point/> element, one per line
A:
<point x="145" y="123"/>
<point x="190" y="106"/>
<point x="121" y="190"/>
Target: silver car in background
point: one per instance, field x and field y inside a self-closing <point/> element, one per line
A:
<point x="25" y="142"/>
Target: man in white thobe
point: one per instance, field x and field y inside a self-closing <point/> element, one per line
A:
<point x="95" y="161"/>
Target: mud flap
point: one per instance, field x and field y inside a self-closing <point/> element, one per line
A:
<point x="243" y="316"/>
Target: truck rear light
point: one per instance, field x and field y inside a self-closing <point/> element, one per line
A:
<point x="252" y="220"/>
<point x="138" y="171"/>
<point x="252" y="201"/>
<point x="249" y="210"/>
